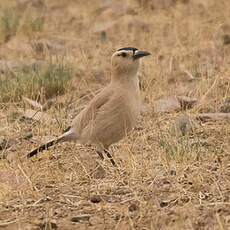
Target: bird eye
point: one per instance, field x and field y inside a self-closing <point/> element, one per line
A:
<point x="123" y="54"/>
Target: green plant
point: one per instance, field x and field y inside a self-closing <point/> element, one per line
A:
<point x="51" y="80"/>
<point x="180" y="149"/>
<point x="37" y="23"/>
<point x="9" y="22"/>
<point x="33" y="21"/>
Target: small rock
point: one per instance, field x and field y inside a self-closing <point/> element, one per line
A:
<point x="164" y="204"/>
<point x="133" y="207"/>
<point x="100" y="173"/>
<point x="95" y="199"/>
<point x="84" y="217"/>
<point x="168" y="104"/>
<point x="38" y="116"/>
<point x="213" y="116"/>
<point x="117" y="217"/>
<point x="172" y="172"/>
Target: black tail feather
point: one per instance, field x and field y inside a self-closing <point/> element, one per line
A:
<point x="67" y="129"/>
<point x="41" y="148"/>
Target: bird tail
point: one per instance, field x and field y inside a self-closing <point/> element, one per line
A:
<point x="64" y="137"/>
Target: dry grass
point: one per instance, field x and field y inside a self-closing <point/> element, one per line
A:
<point x="163" y="181"/>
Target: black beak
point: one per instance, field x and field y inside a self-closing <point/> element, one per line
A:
<point x="140" y="53"/>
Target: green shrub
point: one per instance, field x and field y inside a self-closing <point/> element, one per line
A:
<point x="50" y="80"/>
<point x="9" y="22"/>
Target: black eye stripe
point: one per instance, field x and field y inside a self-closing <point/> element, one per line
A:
<point x="122" y="54"/>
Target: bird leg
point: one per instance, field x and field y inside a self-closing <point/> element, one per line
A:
<point x="108" y="155"/>
<point x="100" y="155"/>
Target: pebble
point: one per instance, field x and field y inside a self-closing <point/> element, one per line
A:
<point x="83" y="217"/>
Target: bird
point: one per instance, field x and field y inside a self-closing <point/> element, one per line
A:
<point x="113" y="112"/>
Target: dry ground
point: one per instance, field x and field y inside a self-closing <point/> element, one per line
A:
<point x="164" y="181"/>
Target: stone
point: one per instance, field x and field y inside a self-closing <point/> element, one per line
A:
<point x="33" y="103"/>
<point x="38" y="116"/>
<point x="133" y="207"/>
<point x="213" y="116"/>
<point x="83" y="217"/>
<point x="95" y="199"/>
<point x="168" y="104"/>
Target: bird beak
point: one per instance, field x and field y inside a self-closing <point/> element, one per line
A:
<point x="140" y="53"/>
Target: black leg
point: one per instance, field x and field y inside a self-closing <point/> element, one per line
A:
<point x="110" y="157"/>
<point x="100" y="155"/>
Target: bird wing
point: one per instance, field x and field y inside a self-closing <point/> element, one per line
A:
<point x="106" y="118"/>
<point x="92" y="110"/>
<point x="82" y="120"/>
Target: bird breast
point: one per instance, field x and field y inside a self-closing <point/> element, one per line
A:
<point x="117" y="118"/>
<point x="110" y="115"/>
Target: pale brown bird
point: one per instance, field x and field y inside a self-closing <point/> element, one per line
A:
<point x="112" y="113"/>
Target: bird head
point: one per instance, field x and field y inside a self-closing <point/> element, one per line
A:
<point x="125" y="61"/>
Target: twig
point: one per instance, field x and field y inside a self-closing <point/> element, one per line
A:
<point x="28" y="179"/>
<point x="4" y="224"/>
<point x="189" y="74"/>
